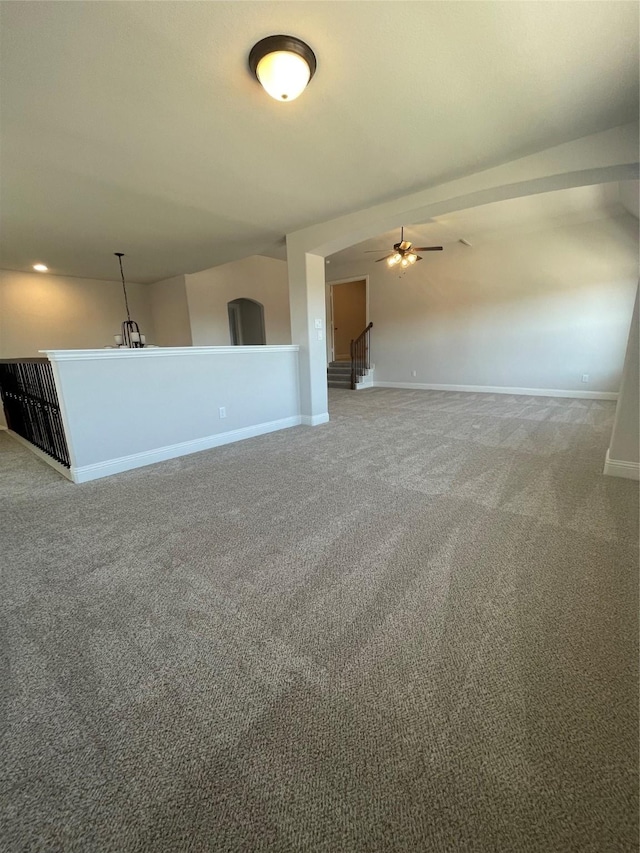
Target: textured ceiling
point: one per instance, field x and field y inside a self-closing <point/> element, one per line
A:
<point x="136" y="126"/>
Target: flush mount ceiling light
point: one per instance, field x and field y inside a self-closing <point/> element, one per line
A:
<point x="40" y="268"/>
<point x="283" y="65"/>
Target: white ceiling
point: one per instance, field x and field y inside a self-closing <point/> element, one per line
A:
<point x="489" y="222"/>
<point x="136" y="126"/>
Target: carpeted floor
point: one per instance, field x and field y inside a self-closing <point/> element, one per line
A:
<point x="412" y="629"/>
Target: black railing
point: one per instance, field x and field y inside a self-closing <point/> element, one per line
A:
<point x="360" y="355"/>
<point x="31" y="406"/>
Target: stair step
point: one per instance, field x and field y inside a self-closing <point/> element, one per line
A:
<point x="339" y="375"/>
<point x="341" y="383"/>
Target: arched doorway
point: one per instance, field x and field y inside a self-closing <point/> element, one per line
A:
<point x="246" y="322"/>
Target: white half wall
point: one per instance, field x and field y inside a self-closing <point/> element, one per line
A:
<point x="123" y="409"/>
<point x="43" y="311"/>
<point x="260" y="278"/>
<point x="536" y="310"/>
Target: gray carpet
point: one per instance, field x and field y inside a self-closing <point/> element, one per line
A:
<point x="412" y="629"/>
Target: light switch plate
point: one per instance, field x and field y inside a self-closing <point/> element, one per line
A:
<point x="318" y="323"/>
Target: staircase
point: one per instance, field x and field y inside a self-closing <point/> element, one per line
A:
<point x="356" y="373"/>
<point x="339" y="374"/>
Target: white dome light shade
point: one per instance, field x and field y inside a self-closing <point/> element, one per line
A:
<point x="40" y="267"/>
<point x="283" y="65"/>
<point x="284" y="75"/>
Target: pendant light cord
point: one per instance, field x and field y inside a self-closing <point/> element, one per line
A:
<point x="126" y="301"/>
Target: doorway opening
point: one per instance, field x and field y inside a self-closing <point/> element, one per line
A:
<point x="246" y="322"/>
<point x="348" y="310"/>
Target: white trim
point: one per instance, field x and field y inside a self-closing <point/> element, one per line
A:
<point x="501" y="389"/>
<point x="314" y="420"/>
<point x="40" y="454"/>
<point x="171" y="451"/>
<point x="365" y="381"/>
<point x="159" y="352"/>
<point x="618" y="468"/>
<point x="364" y="278"/>
<point x="329" y="320"/>
<point x="63" y="412"/>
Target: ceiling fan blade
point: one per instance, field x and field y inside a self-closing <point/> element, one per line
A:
<point x="372" y="251"/>
<point x="428" y="248"/>
<point x="382" y="259"/>
<point x="418" y="258"/>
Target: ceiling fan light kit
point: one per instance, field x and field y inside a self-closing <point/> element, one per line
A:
<point x="404" y="260"/>
<point x="283" y="65"/>
<point x="404" y="253"/>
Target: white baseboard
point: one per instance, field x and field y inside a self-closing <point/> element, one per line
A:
<point x="85" y="473"/>
<point x="618" y="468"/>
<point x="315" y="420"/>
<point x="501" y="389"/>
<point x="40" y="454"/>
<point x="365" y="381"/>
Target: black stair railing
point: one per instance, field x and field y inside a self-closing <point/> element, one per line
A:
<point x="31" y="406"/>
<point x="360" y="355"/>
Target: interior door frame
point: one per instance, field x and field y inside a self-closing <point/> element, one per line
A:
<point x="329" y="285"/>
<point x="233" y="310"/>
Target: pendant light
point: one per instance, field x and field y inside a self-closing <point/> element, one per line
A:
<point x="131" y="336"/>
<point x="284" y="65"/>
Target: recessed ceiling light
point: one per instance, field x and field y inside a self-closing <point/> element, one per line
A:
<point x="283" y="65"/>
<point x="40" y="268"/>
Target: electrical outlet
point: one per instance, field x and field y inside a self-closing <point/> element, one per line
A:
<point x="414" y="372"/>
<point x="585" y="377"/>
<point x="223" y="411"/>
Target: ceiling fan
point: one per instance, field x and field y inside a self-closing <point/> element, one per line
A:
<point x="404" y="253"/>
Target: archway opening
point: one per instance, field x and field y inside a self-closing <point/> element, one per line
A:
<point x="246" y="322"/>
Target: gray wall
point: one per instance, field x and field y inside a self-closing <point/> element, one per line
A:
<point x="43" y="311"/>
<point x="625" y="438"/>
<point x="256" y="277"/>
<point x="170" y="312"/>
